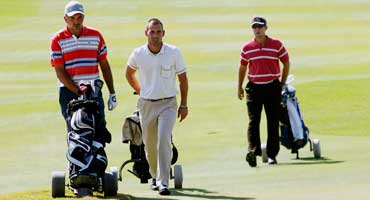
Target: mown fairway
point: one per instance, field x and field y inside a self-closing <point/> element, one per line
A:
<point x="329" y="49"/>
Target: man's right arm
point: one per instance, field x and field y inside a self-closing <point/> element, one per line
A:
<point x="66" y="79"/>
<point x="57" y="62"/>
<point x="242" y="72"/>
<point x="132" y="80"/>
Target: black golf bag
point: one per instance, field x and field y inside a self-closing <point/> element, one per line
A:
<point x="86" y="138"/>
<point x="294" y="132"/>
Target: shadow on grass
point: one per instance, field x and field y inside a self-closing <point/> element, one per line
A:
<point x="313" y="161"/>
<point x="119" y="197"/>
<point x="202" y="193"/>
<point x="130" y="197"/>
<point x="186" y="192"/>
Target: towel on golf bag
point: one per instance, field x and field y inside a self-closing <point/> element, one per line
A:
<point x="294" y="133"/>
<point x="295" y="118"/>
<point x="131" y="130"/>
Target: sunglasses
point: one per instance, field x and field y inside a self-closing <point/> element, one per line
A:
<point x="257" y="26"/>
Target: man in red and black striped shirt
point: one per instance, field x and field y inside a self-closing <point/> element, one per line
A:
<point x="260" y="57"/>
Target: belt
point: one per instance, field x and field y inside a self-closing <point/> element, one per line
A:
<point x="276" y="81"/>
<point x="154" y="100"/>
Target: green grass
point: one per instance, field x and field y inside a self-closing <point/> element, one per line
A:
<point x="328" y="46"/>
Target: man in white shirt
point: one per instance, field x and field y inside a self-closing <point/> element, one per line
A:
<point x="158" y="64"/>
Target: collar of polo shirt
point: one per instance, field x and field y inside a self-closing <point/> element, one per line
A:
<point x="160" y="52"/>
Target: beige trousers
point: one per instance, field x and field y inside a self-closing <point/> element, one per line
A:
<point x="157" y="120"/>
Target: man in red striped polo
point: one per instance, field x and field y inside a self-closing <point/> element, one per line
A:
<point x="260" y="57"/>
<point x="76" y="52"/>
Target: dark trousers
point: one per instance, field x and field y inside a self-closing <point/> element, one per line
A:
<point x="269" y="97"/>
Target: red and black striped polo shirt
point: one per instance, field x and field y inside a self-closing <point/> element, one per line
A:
<point x="263" y="60"/>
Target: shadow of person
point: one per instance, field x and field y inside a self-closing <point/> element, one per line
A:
<point x="203" y="193"/>
<point x="313" y="161"/>
<point x="121" y="196"/>
<point x="185" y="192"/>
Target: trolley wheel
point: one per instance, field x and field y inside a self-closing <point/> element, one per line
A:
<point x="264" y="153"/>
<point x="316" y="148"/>
<point x="58" y="184"/>
<point x="114" y="172"/>
<point x="109" y="185"/>
<point x="178" y="176"/>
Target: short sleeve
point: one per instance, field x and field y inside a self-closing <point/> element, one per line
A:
<point x="132" y="60"/>
<point x="243" y="57"/>
<point x="102" y="49"/>
<point x="56" y="57"/>
<point x="283" y="53"/>
<point x="179" y="64"/>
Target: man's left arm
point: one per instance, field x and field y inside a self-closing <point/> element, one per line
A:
<point x="284" y="58"/>
<point x="108" y="78"/>
<point x="285" y="72"/>
<point x="183" y="108"/>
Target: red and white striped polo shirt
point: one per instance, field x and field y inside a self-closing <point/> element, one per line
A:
<point x="80" y="56"/>
<point x="263" y="60"/>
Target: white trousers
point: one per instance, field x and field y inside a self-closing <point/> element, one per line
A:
<point x="157" y="120"/>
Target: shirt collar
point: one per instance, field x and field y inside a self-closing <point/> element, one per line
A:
<point x="69" y="34"/>
<point x="161" y="52"/>
<point x="267" y="40"/>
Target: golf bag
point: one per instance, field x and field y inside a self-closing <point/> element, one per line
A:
<point x="294" y="132"/>
<point x="132" y="134"/>
<point x="86" y="142"/>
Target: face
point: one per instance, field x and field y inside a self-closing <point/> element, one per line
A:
<point x="154" y="33"/>
<point x="259" y="30"/>
<point x="75" y="22"/>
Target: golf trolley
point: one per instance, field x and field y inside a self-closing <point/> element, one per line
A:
<point x="131" y="133"/>
<point x="294" y="132"/>
<point x="86" y="142"/>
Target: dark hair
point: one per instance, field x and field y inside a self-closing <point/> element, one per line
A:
<point x="154" y="21"/>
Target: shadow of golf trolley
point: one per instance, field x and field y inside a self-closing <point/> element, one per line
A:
<point x="132" y="134"/>
<point x="86" y="154"/>
<point x="294" y="133"/>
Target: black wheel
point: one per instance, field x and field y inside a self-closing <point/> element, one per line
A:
<point x="114" y="172"/>
<point x="175" y="155"/>
<point x="109" y="187"/>
<point x="143" y="180"/>
<point x="58" y="184"/>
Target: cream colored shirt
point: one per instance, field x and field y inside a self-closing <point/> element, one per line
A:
<point x="157" y="72"/>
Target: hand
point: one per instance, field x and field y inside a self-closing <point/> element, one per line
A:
<point x="240" y="93"/>
<point x="77" y="91"/>
<point x="112" y="101"/>
<point x="182" y="112"/>
<point x="283" y="86"/>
